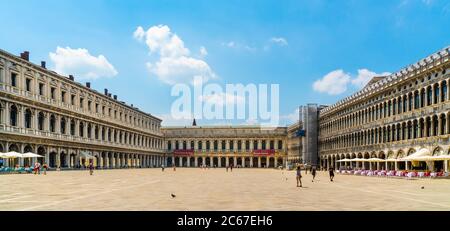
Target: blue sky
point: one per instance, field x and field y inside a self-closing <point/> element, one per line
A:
<point x="317" y="51"/>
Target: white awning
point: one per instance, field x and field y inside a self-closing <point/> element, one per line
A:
<point x="418" y="155"/>
<point x="31" y="155"/>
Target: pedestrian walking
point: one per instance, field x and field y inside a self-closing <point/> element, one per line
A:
<point x="299" y="176"/>
<point x="91" y="168"/>
<point x="331" y="170"/>
<point x="45" y="168"/>
<point x="313" y="172"/>
<point x="231" y="167"/>
<point x="37" y="168"/>
<point x="227" y="168"/>
<point x="162" y="167"/>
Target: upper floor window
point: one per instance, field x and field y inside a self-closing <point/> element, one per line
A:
<point x="96" y="107"/>
<point x="52" y="92"/>
<point x="41" y="89"/>
<point x="13" y="115"/>
<point x="72" y="99"/>
<point x="63" y="96"/>
<point x="81" y="102"/>
<point x="89" y="105"/>
<point x="14" y="79"/>
<point x="28" y="84"/>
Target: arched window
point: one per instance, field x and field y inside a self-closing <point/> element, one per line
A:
<point x="444" y="91"/>
<point x="89" y="131"/>
<point x="208" y="145"/>
<point x="72" y="127"/>
<point x="429" y="96"/>
<point x="223" y="145"/>
<point x="184" y="145"/>
<point x="63" y="125"/>
<point x="216" y="145"/>
<point x="13" y="115"/>
<point x="28" y="118"/>
<point x="263" y="144"/>
<point x="280" y="144"/>
<point x="96" y="131"/>
<point x="192" y="144"/>
<point x="436" y="93"/>
<point x="410" y="101"/>
<point x="405" y="103"/>
<point x="422" y="98"/>
<point x="416" y="99"/>
<point x="177" y="145"/>
<point x="81" y="129"/>
<point x="103" y="134"/>
<point x="41" y="120"/>
<point x="52" y="123"/>
<point x="200" y="145"/>
<point x="169" y="145"/>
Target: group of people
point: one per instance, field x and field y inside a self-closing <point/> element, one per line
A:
<point x="313" y="173"/>
<point x="37" y="168"/>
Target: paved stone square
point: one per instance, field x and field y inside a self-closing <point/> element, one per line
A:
<point x="216" y="189"/>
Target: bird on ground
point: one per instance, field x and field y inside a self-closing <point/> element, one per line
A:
<point x="173" y="195"/>
<point x="422" y="187"/>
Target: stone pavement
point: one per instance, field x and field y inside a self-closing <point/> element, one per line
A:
<point x="216" y="189"/>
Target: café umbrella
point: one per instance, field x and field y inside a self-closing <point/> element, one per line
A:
<point x="11" y="154"/>
<point x="31" y="155"/>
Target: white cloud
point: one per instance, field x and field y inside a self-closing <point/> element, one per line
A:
<point x="180" y="70"/>
<point x="364" y="76"/>
<point x="279" y="40"/>
<point x="238" y="46"/>
<point x="291" y="118"/>
<point x="203" y="52"/>
<point x="174" y="64"/>
<point x="333" y="83"/>
<point x="80" y="63"/>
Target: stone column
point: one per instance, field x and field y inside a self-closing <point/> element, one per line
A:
<point x="251" y="162"/>
<point x="227" y="161"/>
<point x="259" y="162"/>
<point x="195" y="161"/>
<point x="219" y="161"/>
<point x="180" y="161"/>
<point x="203" y="160"/>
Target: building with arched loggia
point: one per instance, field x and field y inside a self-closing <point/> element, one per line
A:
<point x="221" y="146"/>
<point x="391" y="118"/>
<point x="71" y="124"/>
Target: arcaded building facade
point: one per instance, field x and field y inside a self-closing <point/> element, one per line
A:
<point x="69" y="123"/>
<point x="392" y="117"/>
<point x="221" y="146"/>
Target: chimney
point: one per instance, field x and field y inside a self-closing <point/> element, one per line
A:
<point x="43" y="64"/>
<point x="131" y="105"/>
<point x="88" y="84"/>
<point x="109" y="95"/>
<point x="71" y="77"/>
<point x="106" y="91"/>
<point x="115" y="97"/>
<point x="25" y="55"/>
